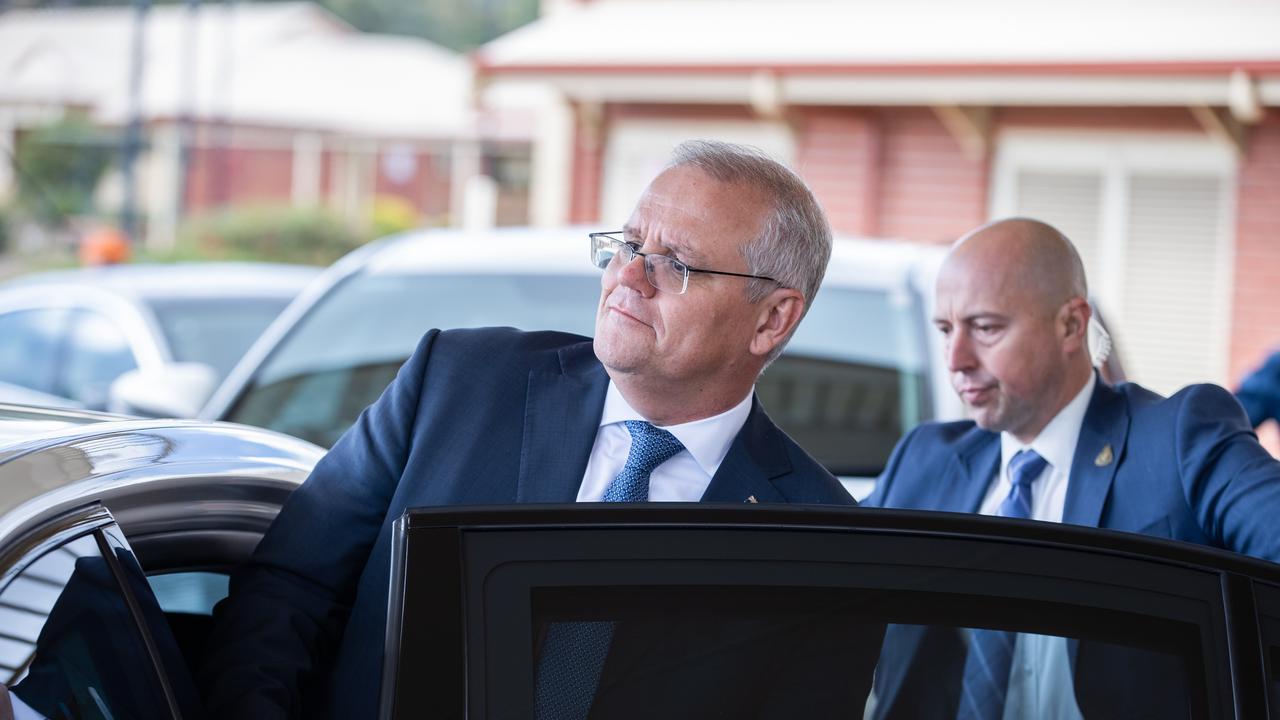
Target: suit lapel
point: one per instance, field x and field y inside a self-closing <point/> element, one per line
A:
<point x="756" y="456"/>
<point x="969" y="473"/>
<point x="562" y="415"/>
<point x="1098" y="453"/>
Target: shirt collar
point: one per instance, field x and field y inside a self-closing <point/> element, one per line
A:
<point x="1056" y="443"/>
<point x="707" y="440"/>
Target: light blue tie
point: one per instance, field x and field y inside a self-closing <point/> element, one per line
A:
<point x="573" y="653"/>
<point x="986" y="668"/>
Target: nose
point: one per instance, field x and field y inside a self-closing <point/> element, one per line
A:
<point x="633" y="275"/>
<point x="959" y="349"/>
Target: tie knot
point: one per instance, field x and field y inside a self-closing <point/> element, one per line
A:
<point x="1025" y="467"/>
<point x="650" y="446"/>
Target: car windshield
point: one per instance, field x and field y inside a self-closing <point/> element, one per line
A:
<point x="214" y="331"/>
<point x="852" y="380"/>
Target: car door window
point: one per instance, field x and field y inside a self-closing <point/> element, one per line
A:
<point x="691" y="620"/>
<point x="97" y="353"/>
<point x="71" y="646"/>
<point x="33" y="341"/>
<point x="1268" y="597"/>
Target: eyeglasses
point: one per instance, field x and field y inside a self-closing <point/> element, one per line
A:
<point x="663" y="271"/>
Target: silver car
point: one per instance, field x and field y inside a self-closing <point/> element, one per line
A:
<point x="67" y="336"/>
<point x="857" y="374"/>
<point x="116" y="538"/>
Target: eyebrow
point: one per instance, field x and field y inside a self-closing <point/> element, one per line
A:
<point x="679" y="249"/>
<point x="972" y="317"/>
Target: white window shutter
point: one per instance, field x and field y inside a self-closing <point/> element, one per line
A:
<point x="1071" y="201"/>
<point x="1173" y="253"/>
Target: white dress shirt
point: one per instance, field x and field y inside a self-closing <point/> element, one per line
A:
<point x="683" y="478"/>
<point x="1040" y="684"/>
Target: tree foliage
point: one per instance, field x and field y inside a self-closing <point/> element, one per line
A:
<point x="59" y="167"/>
<point x="458" y="24"/>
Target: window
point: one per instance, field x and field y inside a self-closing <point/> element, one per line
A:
<point x="67" y="628"/>
<point x="846" y="391"/>
<point x="214" y="331"/>
<point x="314" y="388"/>
<point x="780" y="613"/>
<point x="33" y="341"/>
<point x="97" y="353"/>
<point x="1268" y="597"/>
<point x="1152" y="220"/>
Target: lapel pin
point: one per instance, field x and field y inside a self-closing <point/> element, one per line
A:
<point x="752" y="499"/>
<point x="1104" y="458"/>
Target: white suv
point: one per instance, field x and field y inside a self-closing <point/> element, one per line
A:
<point x="860" y="371"/>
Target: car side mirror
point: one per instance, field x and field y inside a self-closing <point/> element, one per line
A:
<point x="170" y="390"/>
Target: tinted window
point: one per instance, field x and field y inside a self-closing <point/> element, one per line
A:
<point x="214" y="331"/>
<point x="852" y="381"/>
<point x="97" y="353"/>
<point x="812" y="652"/>
<point x="692" y="620"/>
<point x="1268" y="597"/>
<point x="32" y="343"/>
<point x="70" y="645"/>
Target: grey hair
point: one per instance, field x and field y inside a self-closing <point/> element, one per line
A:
<point x="794" y="244"/>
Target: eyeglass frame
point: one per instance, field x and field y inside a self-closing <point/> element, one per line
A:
<point x="634" y="249"/>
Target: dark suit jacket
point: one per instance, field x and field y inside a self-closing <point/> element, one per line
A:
<point x="1187" y="467"/>
<point x="488" y="416"/>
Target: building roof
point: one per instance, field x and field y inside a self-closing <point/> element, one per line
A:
<point x="290" y="64"/>
<point x="1087" y="44"/>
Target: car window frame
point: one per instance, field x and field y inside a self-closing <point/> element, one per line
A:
<point x="432" y="574"/>
<point x="1267" y="596"/>
<point x="96" y="521"/>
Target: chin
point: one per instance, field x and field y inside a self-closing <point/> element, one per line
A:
<point x="616" y="355"/>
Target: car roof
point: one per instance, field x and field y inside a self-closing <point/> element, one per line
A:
<point x="53" y="459"/>
<point x="161" y="280"/>
<point x="24" y="422"/>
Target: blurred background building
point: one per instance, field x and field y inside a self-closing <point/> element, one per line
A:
<point x="1140" y="128"/>
<point x="279" y="104"/>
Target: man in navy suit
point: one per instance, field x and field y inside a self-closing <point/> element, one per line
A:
<point x="1011" y="304"/>
<point x="710" y="277"/>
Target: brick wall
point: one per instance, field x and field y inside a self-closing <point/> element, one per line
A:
<point x="931" y="191"/>
<point x="838" y="152"/>
<point x="890" y="172"/>
<point x="1256" y="302"/>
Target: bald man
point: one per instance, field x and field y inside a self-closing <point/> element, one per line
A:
<point x="1048" y="440"/>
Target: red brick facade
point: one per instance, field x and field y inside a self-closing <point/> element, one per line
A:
<point x="899" y="173"/>
<point x="1256" y="301"/>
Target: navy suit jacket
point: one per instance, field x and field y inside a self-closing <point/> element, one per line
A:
<point x="474" y="417"/>
<point x="1187" y="467"/>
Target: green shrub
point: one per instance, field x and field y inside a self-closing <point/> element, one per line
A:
<point x="6" y="219"/>
<point x="277" y="234"/>
<point x="392" y="214"/>
<point x="59" y="166"/>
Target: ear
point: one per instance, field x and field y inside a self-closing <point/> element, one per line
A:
<point x="1073" y="325"/>
<point x="780" y="312"/>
